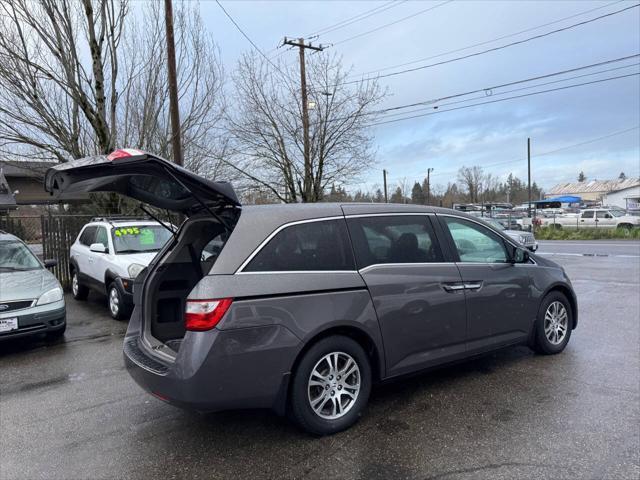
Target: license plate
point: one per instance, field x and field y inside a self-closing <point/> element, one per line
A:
<point x="8" y="324"/>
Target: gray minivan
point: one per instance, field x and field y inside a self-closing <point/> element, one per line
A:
<point x="301" y="308"/>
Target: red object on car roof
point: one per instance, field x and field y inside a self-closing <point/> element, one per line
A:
<point x="124" y="153"/>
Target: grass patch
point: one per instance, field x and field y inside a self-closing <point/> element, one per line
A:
<point x="571" y="233"/>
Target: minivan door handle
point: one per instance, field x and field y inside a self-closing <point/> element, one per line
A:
<point x="472" y="285"/>
<point x="453" y="287"/>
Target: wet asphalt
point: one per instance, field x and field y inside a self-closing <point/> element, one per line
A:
<point x="69" y="410"/>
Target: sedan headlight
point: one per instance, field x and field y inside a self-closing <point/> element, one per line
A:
<point x="522" y="238"/>
<point x="50" y="296"/>
<point x="135" y="269"/>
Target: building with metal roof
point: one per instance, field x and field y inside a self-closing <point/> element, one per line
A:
<point x="592" y="190"/>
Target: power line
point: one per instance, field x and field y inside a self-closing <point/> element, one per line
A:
<point x="357" y="18"/>
<point x="488" y="41"/>
<point x="248" y="38"/>
<point x="494" y="87"/>
<point x="482" y="52"/>
<point x="518" y="89"/>
<point x="566" y="87"/>
<point x="392" y="23"/>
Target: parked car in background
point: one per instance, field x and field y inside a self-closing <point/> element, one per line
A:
<point x="526" y="239"/>
<point x="31" y="299"/>
<point x="593" y="218"/>
<point x="301" y="308"/>
<point x="108" y="255"/>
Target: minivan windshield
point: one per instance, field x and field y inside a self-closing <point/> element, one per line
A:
<point x="16" y="257"/>
<point x="139" y="238"/>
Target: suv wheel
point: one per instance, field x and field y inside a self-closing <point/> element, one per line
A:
<point x="117" y="308"/>
<point x="331" y="386"/>
<point x="553" y="328"/>
<point x="79" y="291"/>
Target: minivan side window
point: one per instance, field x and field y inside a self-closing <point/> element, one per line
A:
<point x="311" y="246"/>
<point x="393" y="239"/>
<point x="476" y="243"/>
<point x="88" y="235"/>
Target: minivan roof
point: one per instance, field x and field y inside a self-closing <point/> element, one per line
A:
<point x="314" y="210"/>
<point x="258" y="221"/>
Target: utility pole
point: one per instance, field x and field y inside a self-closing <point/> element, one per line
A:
<point x="429" y="170"/>
<point x="529" y="171"/>
<point x="308" y="180"/>
<point x="173" y="84"/>
<point x="384" y="175"/>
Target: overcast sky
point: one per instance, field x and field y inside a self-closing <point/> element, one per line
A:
<point x="492" y="135"/>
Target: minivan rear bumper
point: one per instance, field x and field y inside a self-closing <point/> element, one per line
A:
<point x="218" y="370"/>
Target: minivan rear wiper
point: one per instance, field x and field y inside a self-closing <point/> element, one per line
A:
<point x="145" y="210"/>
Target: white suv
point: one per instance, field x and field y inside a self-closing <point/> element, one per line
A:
<point x="109" y="253"/>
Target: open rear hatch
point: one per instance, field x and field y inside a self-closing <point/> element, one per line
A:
<point x="212" y="208"/>
<point x="141" y="176"/>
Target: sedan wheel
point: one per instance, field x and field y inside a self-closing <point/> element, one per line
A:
<point x="334" y="385"/>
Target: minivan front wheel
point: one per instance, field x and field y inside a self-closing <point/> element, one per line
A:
<point x="555" y="321"/>
<point x="331" y="386"/>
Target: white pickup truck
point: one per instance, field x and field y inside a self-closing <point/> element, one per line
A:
<point x="594" y="218"/>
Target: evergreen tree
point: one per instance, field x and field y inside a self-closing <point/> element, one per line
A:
<point x="581" y="177"/>
<point x="397" y="196"/>
<point x="417" y="195"/>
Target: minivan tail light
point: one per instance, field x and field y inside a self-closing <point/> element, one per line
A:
<point x="201" y="315"/>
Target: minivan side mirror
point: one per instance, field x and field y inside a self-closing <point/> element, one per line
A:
<point x="520" y="255"/>
<point x="98" y="248"/>
<point x="50" y="263"/>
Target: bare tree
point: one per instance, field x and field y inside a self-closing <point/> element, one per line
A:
<point x="144" y="109"/>
<point x="57" y="101"/>
<point x="267" y="134"/>
<point x="471" y="178"/>
<point x="54" y="96"/>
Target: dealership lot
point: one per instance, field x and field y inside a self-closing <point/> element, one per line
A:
<point x="70" y="410"/>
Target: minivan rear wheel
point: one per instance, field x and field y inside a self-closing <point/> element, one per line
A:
<point x="331" y="386"/>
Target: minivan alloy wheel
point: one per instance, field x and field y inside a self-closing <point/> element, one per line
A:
<point x="556" y="322"/>
<point x="334" y="385"/>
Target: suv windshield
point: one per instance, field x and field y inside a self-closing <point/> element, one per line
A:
<point x="139" y="238"/>
<point x="495" y="223"/>
<point x="16" y="257"/>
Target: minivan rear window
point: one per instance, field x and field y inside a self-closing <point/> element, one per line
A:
<point x="311" y="246"/>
